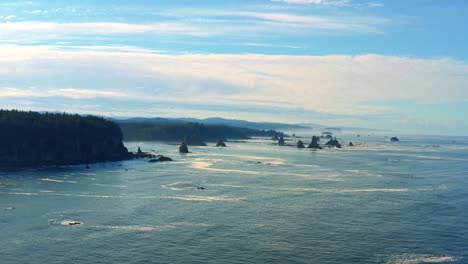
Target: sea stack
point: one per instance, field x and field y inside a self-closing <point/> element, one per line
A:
<point x="300" y="144"/>
<point x="281" y="141"/>
<point x="314" y="143"/>
<point x="183" y="148"/>
<point x="221" y="144"/>
<point x="333" y="143"/>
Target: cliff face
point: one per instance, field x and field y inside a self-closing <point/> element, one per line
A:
<point x="34" y="139"/>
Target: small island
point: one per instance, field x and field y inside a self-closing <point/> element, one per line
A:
<point x="33" y="139"/>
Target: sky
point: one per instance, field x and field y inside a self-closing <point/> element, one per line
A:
<point x="399" y="65"/>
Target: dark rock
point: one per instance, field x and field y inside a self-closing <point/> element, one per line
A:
<point x="72" y="223"/>
<point x="160" y="158"/>
<point x="140" y="155"/>
<point x="314" y="143"/>
<point x="183" y="148"/>
<point x="281" y="141"/>
<point x="300" y="144"/>
<point x="394" y="139"/>
<point x="351" y="144"/>
<point x="221" y="144"/>
<point x="329" y="136"/>
<point x="358" y="136"/>
<point x="333" y="143"/>
<point x="200" y="188"/>
<point x="87" y="167"/>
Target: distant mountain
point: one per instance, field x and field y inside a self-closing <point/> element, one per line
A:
<point x="215" y="121"/>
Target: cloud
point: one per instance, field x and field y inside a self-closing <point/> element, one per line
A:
<point x="10" y="17"/>
<point x="61" y="92"/>
<point x="282" y="87"/>
<point x="93" y="28"/>
<point x="317" y="2"/>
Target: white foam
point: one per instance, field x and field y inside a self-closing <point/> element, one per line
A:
<point x="178" y="186"/>
<point x="202" y="164"/>
<point x="389" y="190"/>
<point x="67" y="222"/>
<point x="55" y="180"/>
<point x="131" y="228"/>
<point x="203" y="198"/>
<point x="416" y="259"/>
<point x="271" y="160"/>
<point x="109" y="185"/>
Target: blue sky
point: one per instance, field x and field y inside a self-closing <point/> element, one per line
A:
<point x="398" y="65"/>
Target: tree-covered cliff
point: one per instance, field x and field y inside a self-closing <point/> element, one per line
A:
<point x="38" y="139"/>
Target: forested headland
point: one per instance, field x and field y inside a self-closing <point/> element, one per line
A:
<point x="41" y="139"/>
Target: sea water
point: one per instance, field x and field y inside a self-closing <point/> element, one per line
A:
<point x="377" y="202"/>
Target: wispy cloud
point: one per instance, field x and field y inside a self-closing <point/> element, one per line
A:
<point x="61" y="92"/>
<point x="316" y="2"/>
<point x="96" y="28"/>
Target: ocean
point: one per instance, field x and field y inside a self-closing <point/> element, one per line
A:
<point x="378" y="202"/>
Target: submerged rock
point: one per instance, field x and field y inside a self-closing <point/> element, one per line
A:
<point x="281" y="141"/>
<point x="394" y="139"/>
<point x="333" y="143"/>
<point x="160" y="158"/>
<point x="329" y="136"/>
<point x="183" y="148"/>
<point x="300" y="144"/>
<point x="314" y="143"/>
<point x="221" y="144"/>
<point x="200" y="188"/>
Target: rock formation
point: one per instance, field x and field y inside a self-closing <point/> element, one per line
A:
<point x="300" y="144"/>
<point x="394" y="139"/>
<point x="314" y="143"/>
<point x="333" y="143"/>
<point x="183" y="148"/>
<point x="281" y="141"/>
<point x="160" y="158"/>
<point x="221" y="144"/>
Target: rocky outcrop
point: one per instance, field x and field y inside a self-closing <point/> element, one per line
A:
<point x="394" y="139"/>
<point x="300" y="144"/>
<point x="351" y="144"/>
<point x="183" y="148"/>
<point x="281" y="141"/>
<point x="160" y="158"/>
<point x="221" y="144"/>
<point x="329" y="137"/>
<point x="314" y="143"/>
<point x="333" y="143"/>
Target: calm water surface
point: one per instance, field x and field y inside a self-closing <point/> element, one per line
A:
<point x="378" y="202"/>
